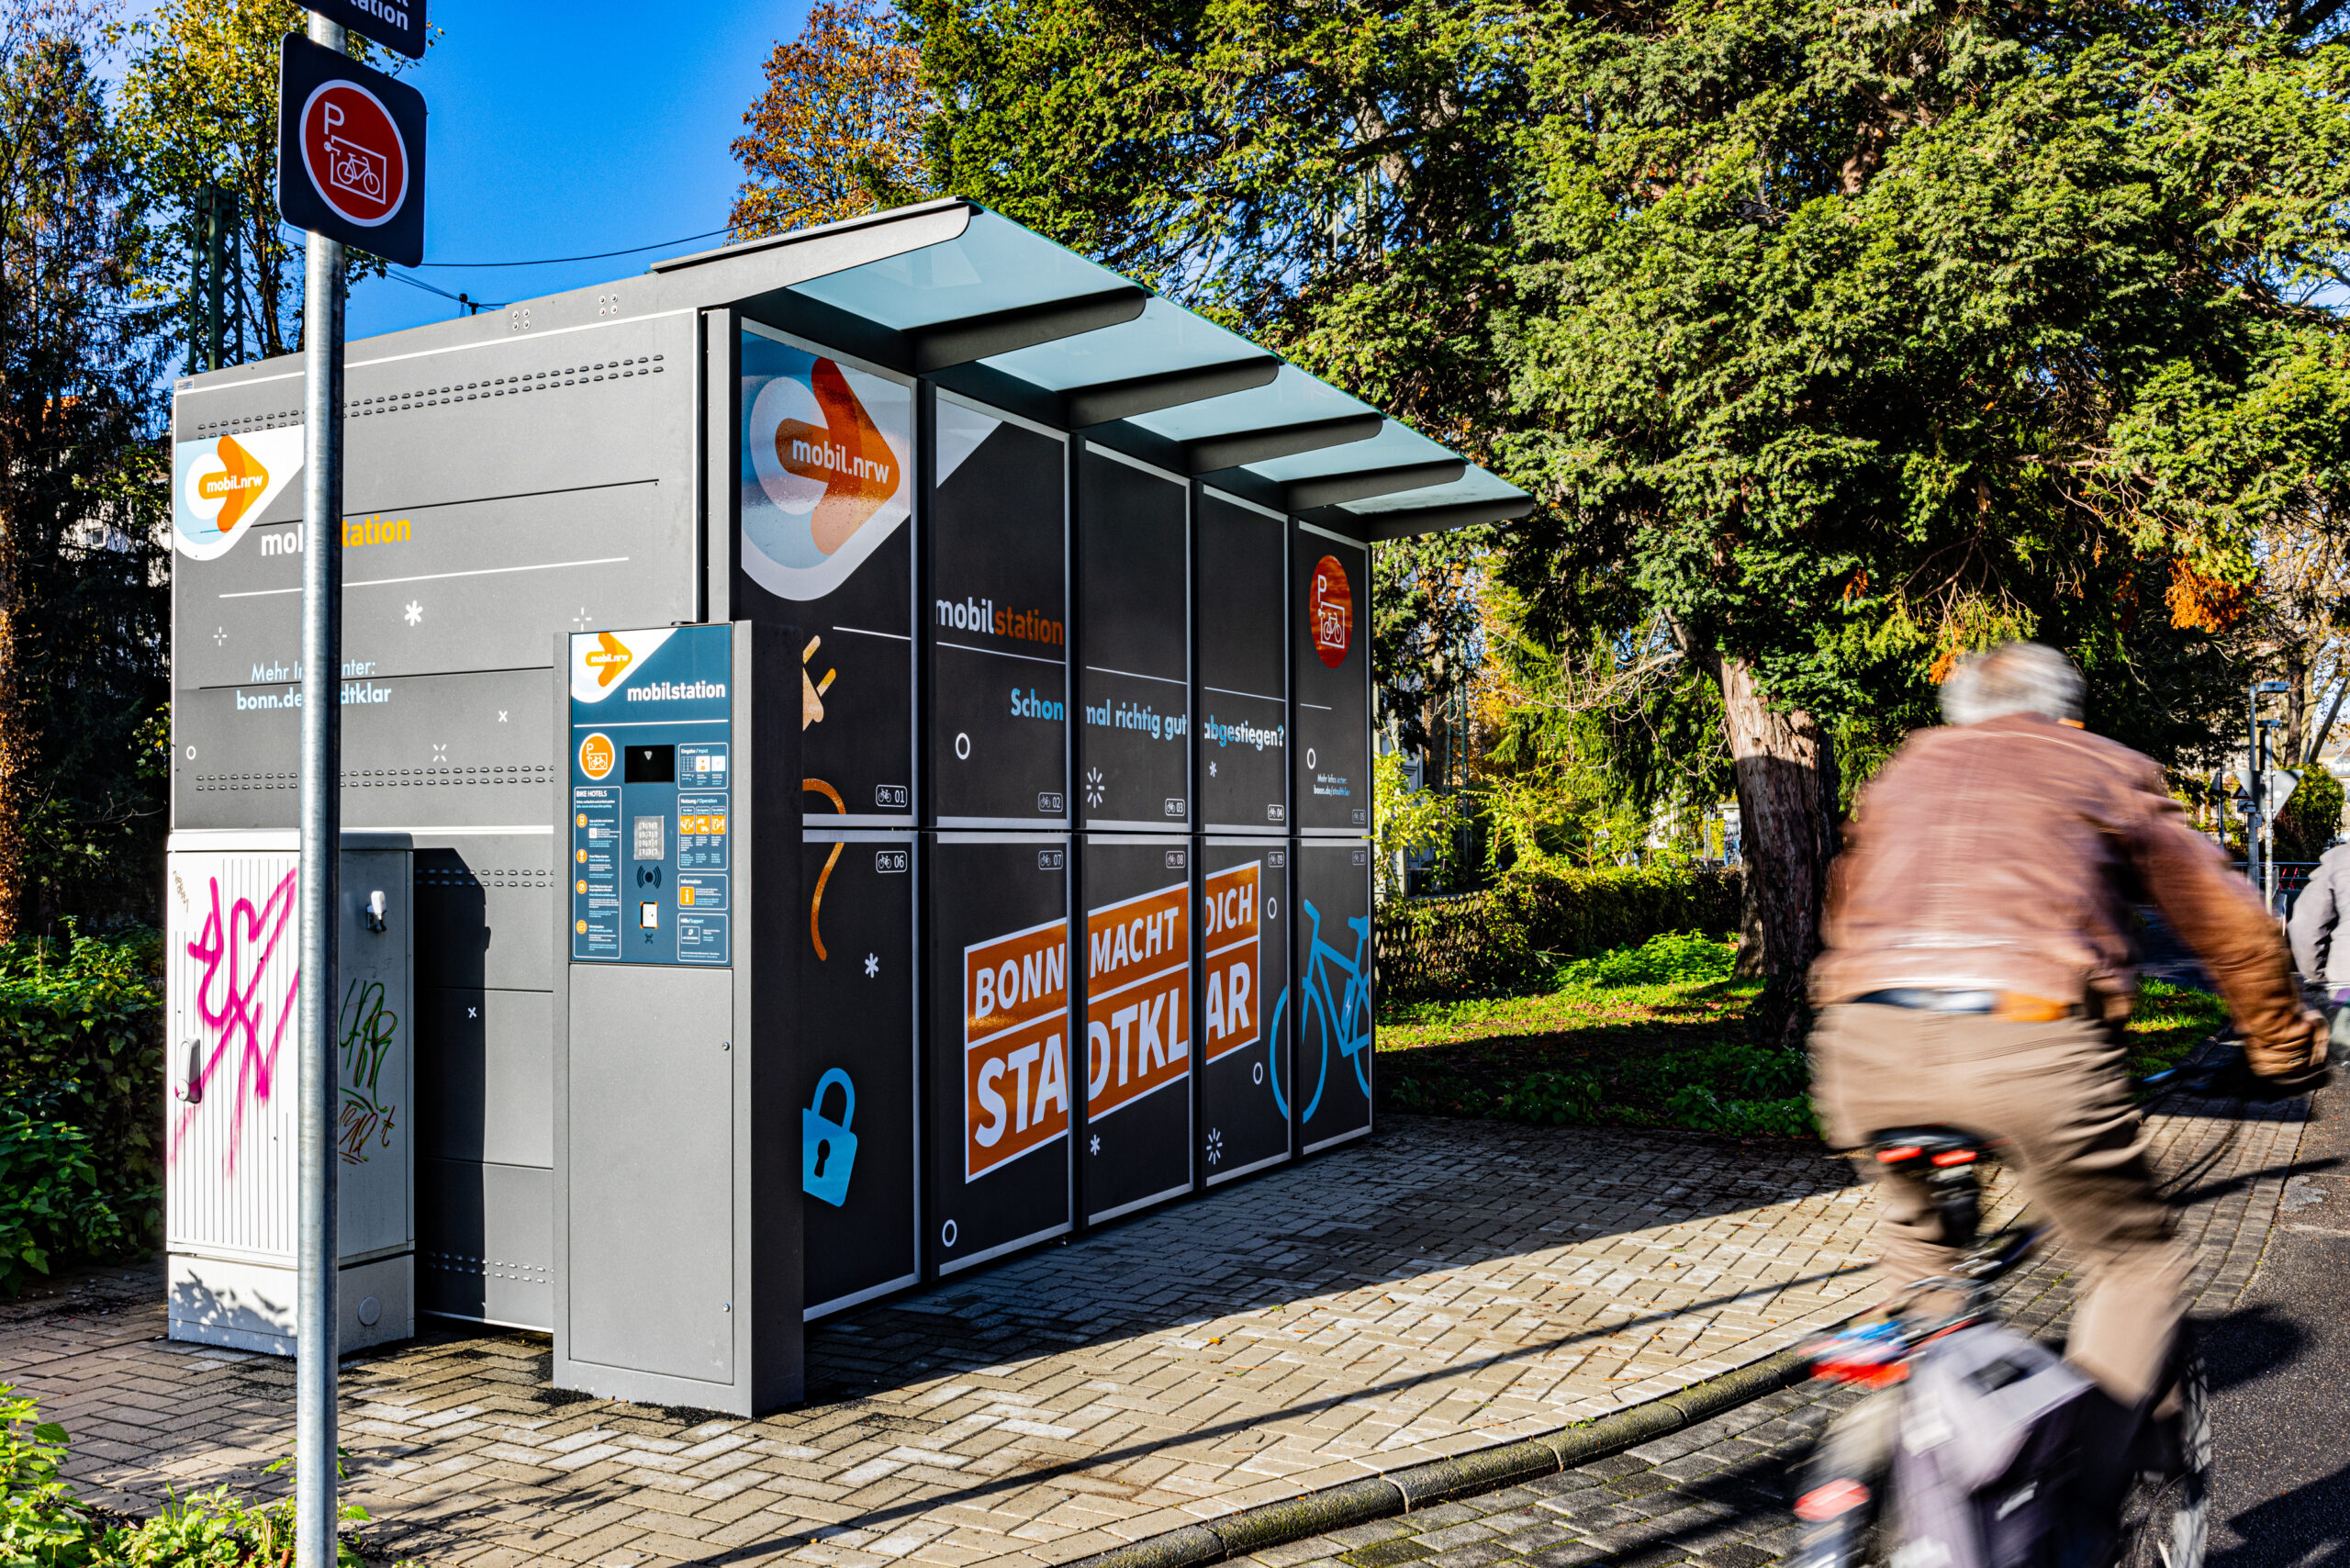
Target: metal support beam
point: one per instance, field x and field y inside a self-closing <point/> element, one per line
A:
<point x="1108" y="400"/>
<point x="1333" y="490"/>
<point x="1207" y="455"/>
<point x="1001" y="332"/>
<point x="1405" y="523"/>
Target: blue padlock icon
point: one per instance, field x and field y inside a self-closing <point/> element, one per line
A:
<point x="827" y="1149"/>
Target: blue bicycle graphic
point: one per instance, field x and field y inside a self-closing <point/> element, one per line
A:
<point x="1330" y="1012"/>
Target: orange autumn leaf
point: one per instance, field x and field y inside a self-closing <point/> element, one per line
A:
<point x="2203" y="603"/>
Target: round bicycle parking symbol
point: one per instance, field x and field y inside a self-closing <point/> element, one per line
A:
<point x="353" y="153"/>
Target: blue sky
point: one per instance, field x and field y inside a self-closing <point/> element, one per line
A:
<point x="560" y="130"/>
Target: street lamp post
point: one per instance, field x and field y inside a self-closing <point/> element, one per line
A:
<point x="2260" y="835"/>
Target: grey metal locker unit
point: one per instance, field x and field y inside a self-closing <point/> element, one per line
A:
<point x="233" y="1182"/>
<point x="678" y="1228"/>
<point x="864" y="432"/>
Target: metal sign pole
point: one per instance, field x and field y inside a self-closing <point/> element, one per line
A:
<point x="316" y="1324"/>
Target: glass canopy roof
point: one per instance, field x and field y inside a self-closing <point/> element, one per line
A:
<point x="996" y="265"/>
<point x="1004" y="298"/>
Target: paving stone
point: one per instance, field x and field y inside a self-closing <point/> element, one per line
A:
<point x="1441" y="1286"/>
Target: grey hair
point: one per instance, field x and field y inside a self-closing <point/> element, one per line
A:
<point x="2013" y="677"/>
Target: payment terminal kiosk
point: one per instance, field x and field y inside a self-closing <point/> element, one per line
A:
<point x="678" y="1203"/>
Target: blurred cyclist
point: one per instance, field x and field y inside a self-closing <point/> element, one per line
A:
<point x="1976" y="973"/>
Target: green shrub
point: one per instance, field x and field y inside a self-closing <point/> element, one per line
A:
<point x="40" y="1520"/>
<point x="53" y="1198"/>
<point x="44" y="1524"/>
<point x="82" y="1045"/>
<point x="1510" y="937"/>
<point x="1671" y="958"/>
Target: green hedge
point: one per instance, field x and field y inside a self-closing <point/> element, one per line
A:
<point x="1511" y="936"/>
<point x="82" y="1050"/>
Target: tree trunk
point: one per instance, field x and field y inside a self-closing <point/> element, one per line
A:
<point x="1785" y="765"/>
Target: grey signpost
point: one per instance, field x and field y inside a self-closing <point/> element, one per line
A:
<point x="351" y="166"/>
<point x="315" y="1328"/>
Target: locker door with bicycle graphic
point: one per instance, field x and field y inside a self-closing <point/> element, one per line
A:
<point x="1331" y="997"/>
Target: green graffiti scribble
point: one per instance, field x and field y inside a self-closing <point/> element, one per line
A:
<point x="368" y="1030"/>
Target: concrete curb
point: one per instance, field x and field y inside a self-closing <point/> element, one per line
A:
<point x="1485" y="1470"/>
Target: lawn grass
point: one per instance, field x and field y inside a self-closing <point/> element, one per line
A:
<point x="1654" y="1036"/>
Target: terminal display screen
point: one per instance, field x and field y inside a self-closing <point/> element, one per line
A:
<point x="651" y="796"/>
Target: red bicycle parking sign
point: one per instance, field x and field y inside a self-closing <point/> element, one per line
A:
<point x="351" y="151"/>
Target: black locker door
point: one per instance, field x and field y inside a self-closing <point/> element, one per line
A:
<point x="999" y="1089"/>
<point x="1330" y="605"/>
<point x="1332" y="992"/>
<point x="998" y="728"/>
<point x="1242" y="783"/>
<point x="1245" y="1070"/>
<point x="854" y="1122"/>
<point x="1137" y="952"/>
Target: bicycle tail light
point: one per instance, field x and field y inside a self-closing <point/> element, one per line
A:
<point x="1830" y="1500"/>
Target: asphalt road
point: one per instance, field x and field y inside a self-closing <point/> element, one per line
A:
<point x="2280" y="1373"/>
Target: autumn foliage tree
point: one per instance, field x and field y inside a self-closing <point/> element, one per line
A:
<point x="838" y="130"/>
<point x="199" y="108"/>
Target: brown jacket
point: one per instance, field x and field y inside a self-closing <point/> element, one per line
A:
<point x="2006" y="855"/>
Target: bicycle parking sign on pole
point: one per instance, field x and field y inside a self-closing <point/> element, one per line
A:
<point x="350" y="171"/>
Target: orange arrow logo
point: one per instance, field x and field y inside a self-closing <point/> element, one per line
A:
<point x="608" y="660"/>
<point x="241" y="480"/>
<point x="849" y="455"/>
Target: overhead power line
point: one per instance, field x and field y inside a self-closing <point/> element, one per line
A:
<point x="593" y="256"/>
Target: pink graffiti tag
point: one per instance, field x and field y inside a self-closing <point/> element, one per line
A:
<point x="235" y="952"/>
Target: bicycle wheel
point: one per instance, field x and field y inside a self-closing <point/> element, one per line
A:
<point x="2166" y="1515"/>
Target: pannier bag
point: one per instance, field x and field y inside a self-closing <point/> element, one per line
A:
<point x="1982" y="1471"/>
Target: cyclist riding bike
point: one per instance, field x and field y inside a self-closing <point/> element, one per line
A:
<point x="1975" y="975"/>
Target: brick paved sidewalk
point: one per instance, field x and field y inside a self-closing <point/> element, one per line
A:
<point x="1447" y="1286"/>
<point x="1716" y="1494"/>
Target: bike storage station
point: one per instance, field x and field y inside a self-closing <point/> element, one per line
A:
<point x="855" y="761"/>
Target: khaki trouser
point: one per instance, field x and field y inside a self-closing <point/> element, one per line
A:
<point x="2057" y="1095"/>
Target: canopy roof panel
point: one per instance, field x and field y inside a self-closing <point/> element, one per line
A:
<point x="996" y="265"/>
<point x="993" y="310"/>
